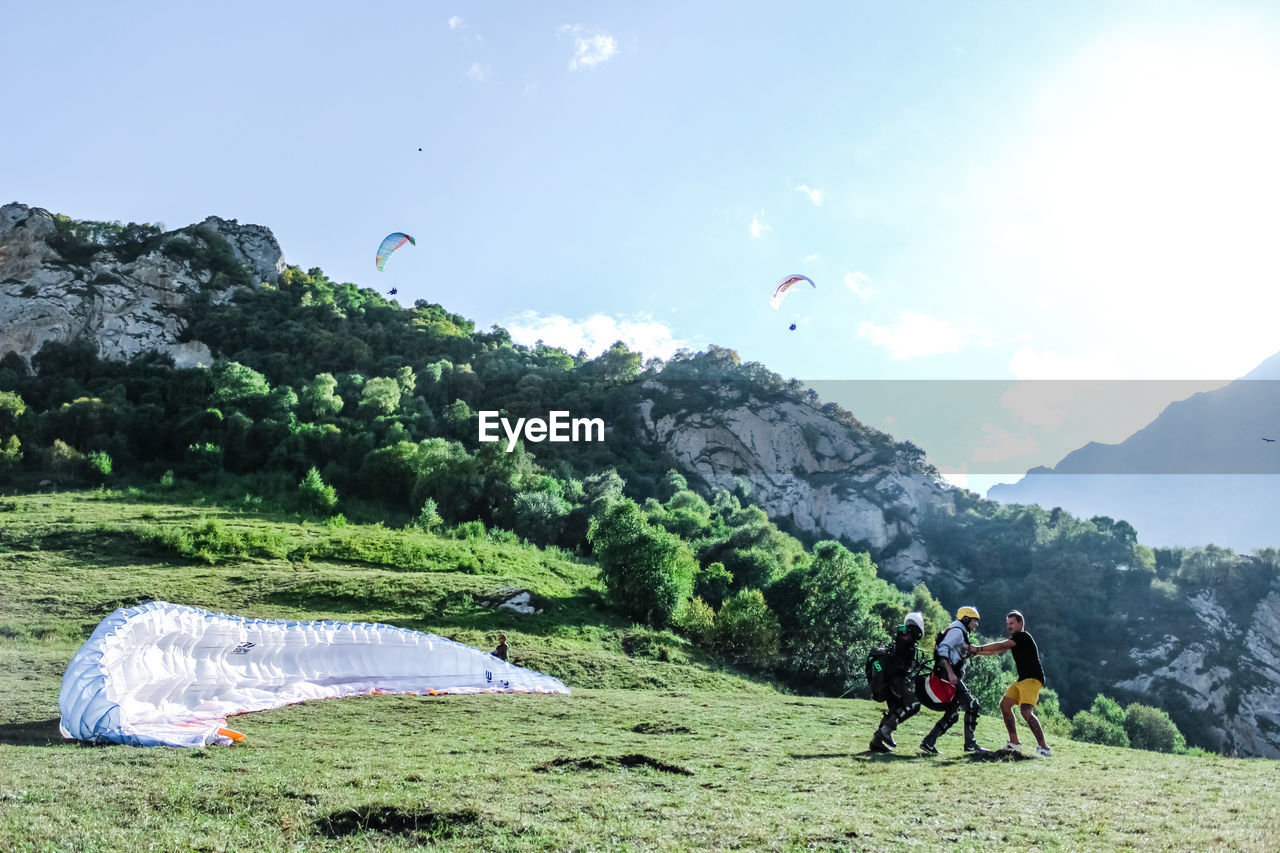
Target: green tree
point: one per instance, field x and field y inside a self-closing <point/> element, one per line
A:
<point x="12" y="409"/>
<point x="315" y="494"/>
<point x="235" y="383"/>
<point x="826" y="618"/>
<point x="319" y="396"/>
<point x="381" y="395"/>
<point x="429" y="520"/>
<point x="539" y="516"/>
<point x="647" y="572"/>
<point x="10" y="454"/>
<point x="63" y="460"/>
<point x="673" y="482"/>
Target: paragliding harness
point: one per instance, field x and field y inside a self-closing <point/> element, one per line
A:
<point x="880" y="670"/>
<point x="933" y="689"/>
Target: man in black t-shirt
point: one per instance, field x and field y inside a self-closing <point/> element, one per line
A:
<point x="1026" y="690"/>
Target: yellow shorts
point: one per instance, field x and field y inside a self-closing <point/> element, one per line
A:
<point x="1024" y="692"/>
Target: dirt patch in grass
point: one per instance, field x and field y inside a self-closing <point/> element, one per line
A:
<point x="660" y="729"/>
<point x="611" y="762"/>
<point x="416" y="824"/>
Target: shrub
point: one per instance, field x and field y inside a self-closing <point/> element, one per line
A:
<point x="747" y="629"/>
<point x="99" y="462"/>
<point x="469" y="530"/>
<point x="713" y="583"/>
<point x="698" y="622"/>
<point x="1103" y="723"/>
<point x="1150" y="728"/>
<point x="1049" y="710"/>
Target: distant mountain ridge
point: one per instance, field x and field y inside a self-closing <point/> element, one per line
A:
<point x="1200" y="473"/>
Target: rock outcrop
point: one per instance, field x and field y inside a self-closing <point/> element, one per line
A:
<point x="1226" y="669"/>
<point x="810" y="472"/>
<point x="125" y="305"/>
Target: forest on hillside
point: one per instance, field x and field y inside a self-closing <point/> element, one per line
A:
<point x="327" y="399"/>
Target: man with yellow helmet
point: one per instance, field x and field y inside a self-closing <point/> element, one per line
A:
<point x="952" y="652"/>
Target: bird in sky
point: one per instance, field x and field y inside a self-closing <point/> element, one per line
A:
<point x="392" y="292"/>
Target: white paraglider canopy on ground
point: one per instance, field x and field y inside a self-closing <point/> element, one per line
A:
<point x="163" y="674"/>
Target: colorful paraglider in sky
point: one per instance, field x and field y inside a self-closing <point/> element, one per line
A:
<point x="389" y="244"/>
<point x="784" y="286"/>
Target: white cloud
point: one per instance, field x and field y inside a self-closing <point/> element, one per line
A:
<point x="589" y="48"/>
<point x="913" y="336"/>
<point x="595" y="334"/>
<point x="815" y="195"/>
<point x="1028" y="363"/>
<point x="859" y="283"/>
<point x="758" y="228"/>
<point x="808" y="259"/>
<point x="456" y="23"/>
<point x="478" y="72"/>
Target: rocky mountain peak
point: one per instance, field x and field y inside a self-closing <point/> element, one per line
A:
<point x="119" y="287"/>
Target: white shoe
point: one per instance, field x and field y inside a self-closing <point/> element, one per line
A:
<point x="1013" y="747"/>
<point x="1044" y="751"/>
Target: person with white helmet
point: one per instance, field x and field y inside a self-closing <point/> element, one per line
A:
<point x="901" y="697"/>
<point x="952" y="652"/>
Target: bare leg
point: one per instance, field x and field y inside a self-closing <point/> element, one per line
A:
<point x="1006" y="711"/>
<point x="1029" y="714"/>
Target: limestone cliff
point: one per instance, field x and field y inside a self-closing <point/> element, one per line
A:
<point x="125" y="302"/>
<point x="1226" y="668"/>
<point x="809" y="471"/>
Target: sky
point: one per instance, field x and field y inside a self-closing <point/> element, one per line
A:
<point x="999" y="191"/>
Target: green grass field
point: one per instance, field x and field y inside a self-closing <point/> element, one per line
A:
<point x="657" y="748"/>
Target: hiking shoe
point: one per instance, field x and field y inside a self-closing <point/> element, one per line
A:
<point x="878" y="744"/>
<point x="1044" y="751"/>
<point x="926" y="746"/>
<point x="974" y="749"/>
<point x="1013" y="747"/>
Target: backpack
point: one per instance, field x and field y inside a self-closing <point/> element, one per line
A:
<point x="877" y="667"/>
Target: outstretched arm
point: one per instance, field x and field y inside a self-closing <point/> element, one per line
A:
<point x="992" y="648"/>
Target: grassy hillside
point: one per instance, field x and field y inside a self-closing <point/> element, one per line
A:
<point x="657" y="748"/>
